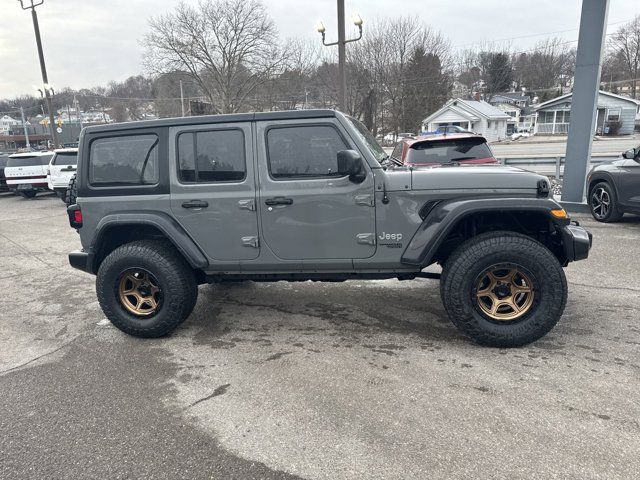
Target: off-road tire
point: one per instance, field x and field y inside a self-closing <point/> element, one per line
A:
<point x="72" y="192"/>
<point x="175" y="278"/>
<point x="473" y="257"/>
<point x="614" y="212"/>
<point x="29" y="194"/>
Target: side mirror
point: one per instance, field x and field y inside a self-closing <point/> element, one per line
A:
<point x="350" y="163"/>
<point x="632" y="154"/>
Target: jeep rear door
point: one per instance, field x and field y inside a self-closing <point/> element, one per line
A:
<point x="308" y="211"/>
<point x="213" y="189"/>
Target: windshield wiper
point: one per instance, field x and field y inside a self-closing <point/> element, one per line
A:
<point x="461" y="158"/>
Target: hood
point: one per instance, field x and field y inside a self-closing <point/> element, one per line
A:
<point x="474" y="177"/>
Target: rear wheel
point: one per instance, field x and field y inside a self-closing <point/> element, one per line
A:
<point x="146" y="288"/>
<point x="503" y="289"/>
<point x="28" y="193"/>
<point x="603" y="203"/>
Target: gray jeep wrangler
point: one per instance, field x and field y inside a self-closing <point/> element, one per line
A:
<point x="165" y="205"/>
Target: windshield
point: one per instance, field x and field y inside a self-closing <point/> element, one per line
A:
<point x="30" y="161"/>
<point x="367" y="137"/>
<point x="448" y="151"/>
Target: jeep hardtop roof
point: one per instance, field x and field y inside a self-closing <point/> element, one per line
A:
<point x="209" y="119"/>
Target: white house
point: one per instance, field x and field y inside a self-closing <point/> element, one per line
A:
<point x="8" y="123"/>
<point x="554" y="115"/>
<point x="478" y="116"/>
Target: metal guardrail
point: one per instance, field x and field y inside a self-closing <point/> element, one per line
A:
<point x="551" y="164"/>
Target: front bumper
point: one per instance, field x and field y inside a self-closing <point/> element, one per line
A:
<point x="576" y="242"/>
<point x="81" y="260"/>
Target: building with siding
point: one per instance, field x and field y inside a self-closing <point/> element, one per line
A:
<point x="477" y="116"/>
<point x="554" y="115"/>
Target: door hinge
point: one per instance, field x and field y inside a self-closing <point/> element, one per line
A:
<point x="366" y="238"/>
<point x="366" y="199"/>
<point x="251" y="242"/>
<point x="248" y="204"/>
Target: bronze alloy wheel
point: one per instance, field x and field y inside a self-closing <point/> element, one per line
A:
<point x="139" y="292"/>
<point x="504" y="292"/>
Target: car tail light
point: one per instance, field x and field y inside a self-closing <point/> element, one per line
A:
<point x="75" y="216"/>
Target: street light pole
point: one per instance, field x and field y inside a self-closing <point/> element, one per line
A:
<point x="342" y="53"/>
<point x="26" y="131"/>
<point x="342" y="59"/>
<point x="32" y="5"/>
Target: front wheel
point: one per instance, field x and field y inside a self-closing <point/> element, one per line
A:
<point x="28" y="193"/>
<point x="604" y="203"/>
<point x="146" y="288"/>
<point x="503" y="289"/>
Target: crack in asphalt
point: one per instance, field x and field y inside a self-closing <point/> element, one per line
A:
<point x="222" y="389"/>
<point x="35" y="359"/>
<point x="603" y="287"/>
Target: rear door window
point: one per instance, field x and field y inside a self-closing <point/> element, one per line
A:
<point x="211" y="156"/>
<point x="448" y="151"/>
<point x="65" y="158"/>
<point x="124" y="160"/>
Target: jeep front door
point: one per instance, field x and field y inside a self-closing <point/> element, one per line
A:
<point x="213" y="192"/>
<point x="309" y="211"/>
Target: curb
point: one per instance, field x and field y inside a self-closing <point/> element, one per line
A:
<point x="575" y="207"/>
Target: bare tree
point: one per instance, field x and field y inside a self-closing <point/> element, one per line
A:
<point x="625" y="44"/>
<point x="229" y="47"/>
<point x="548" y="65"/>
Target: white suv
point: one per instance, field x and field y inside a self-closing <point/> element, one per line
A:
<point x="61" y="168"/>
<point x="26" y="173"/>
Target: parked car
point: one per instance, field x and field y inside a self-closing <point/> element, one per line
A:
<point x="614" y="188"/>
<point x="61" y="168"/>
<point x="3" y="181"/>
<point x="391" y="138"/>
<point x="165" y="205"/>
<point x="435" y="150"/>
<point x="27" y="172"/>
<point x="449" y="129"/>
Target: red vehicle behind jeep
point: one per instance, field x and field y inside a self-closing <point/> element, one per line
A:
<point x="433" y="150"/>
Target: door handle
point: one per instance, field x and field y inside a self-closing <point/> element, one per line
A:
<point x="279" y="201"/>
<point x="195" y="204"/>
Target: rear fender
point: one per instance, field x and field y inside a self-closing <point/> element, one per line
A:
<point x="162" y="222"/>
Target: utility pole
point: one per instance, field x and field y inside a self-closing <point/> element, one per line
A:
<point x="342" y="53"/>
<point x="26" y="130"/>
<point x="593" y="25"/>
<point x="32" y="5"/>
<point x="77" y="107"/>
<point x="182" y="98"/>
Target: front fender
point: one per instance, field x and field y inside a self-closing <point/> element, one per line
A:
<point x="445" y="216"/>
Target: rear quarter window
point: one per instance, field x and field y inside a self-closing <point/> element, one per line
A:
<point x="124" y="160"/>
<point x="448" y="151"/>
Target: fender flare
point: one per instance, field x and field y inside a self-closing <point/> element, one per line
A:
<point x="169" y="227"/>
<point x="602" y="176"/>
<point x="443" y="218"/>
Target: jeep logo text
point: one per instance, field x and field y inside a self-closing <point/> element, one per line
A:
<point x="390" y="236"/>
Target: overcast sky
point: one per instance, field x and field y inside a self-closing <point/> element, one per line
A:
<point x="89" y="42"/>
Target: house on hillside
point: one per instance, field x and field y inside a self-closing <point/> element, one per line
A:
<point x="518" y="106"/>
<point x="555" y="114"/>
<point x="8" y="123"/>
<point x="474" y="115"/>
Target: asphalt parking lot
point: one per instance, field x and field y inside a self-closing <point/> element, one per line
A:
<point x="319" y="381"/>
